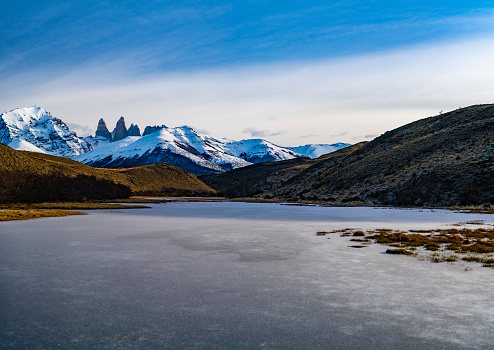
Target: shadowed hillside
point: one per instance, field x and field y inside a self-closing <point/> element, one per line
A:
<point x="262" y="177"/>
<point x="29" y="176"/>
<point x="438" y="161"/>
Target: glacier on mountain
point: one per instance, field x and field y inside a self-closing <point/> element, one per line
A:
<point x="34" y="129"/>
<point x="317" y="150"/>
<point x="193" y="152"/>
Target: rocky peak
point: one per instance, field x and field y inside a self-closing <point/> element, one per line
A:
<point x="150" y="129"/>
<point x="134" y="130"/>
<point x="38" y="130"/>
<point x="121" y="131"/>
<point x="102" y="130"/>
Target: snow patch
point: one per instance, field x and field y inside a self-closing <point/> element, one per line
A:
<point x="22" y="145"/>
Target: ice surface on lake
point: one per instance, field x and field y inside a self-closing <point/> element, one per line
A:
<point x="235" y="276"/>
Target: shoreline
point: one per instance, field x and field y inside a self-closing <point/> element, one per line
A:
<point x="27" y="211"/>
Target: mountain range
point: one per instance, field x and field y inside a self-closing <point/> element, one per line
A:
<point x="442" y="161"/>
<point x="34" y="129"/>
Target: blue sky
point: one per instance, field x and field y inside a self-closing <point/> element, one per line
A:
<point x="247" y="68"/>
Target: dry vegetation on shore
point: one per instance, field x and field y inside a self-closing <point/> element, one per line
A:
<point x="26" y="214"/>
<point x="25" y="211"/>
<point x="440" y="245"/>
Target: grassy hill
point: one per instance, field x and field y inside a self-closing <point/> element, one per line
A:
<point x="438" y="161"/>
<point x="264" y="177"/>
<point x="29" y="176"/>
<point x="446" y="160"/>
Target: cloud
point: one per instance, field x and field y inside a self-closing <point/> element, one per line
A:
<point x="262" y="133"/>
<point x="340" y="134"/>
<point x="360" y="95"/>
<point x="81" y="130"/>
<point x="308" y="136"/>
<point x="201" y="131"/>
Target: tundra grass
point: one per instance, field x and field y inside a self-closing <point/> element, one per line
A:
<point x="70" y="206"/>
<point x="11" y="214"/>
<point x="26" y="211"/>
<point x="441" y="245"/>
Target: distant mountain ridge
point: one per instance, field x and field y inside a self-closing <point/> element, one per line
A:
<point x="34" y="129"/>
<point x="183" y="147"/>
<point x="317" y="150"/>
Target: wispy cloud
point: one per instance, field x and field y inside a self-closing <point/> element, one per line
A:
<point x="253" y="132"/>
<point x="310" y="136"/>
<point x="365" y="95"/>
<point x="201" y="131"/>
<point x="81" y="130"/>
<point x="340" y="134"/>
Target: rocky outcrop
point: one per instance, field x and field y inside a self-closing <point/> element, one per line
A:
<point x="121" y="131"/>
<point x="134" y="130"/>
<point x="150" y="129"/>
<point x="102" y="130"/>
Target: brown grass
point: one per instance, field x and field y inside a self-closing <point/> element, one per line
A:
<point x="10" y="215"/>
<point x="69" y="206"/>
<point x="150" y="179"/>
<point x="477" y="243"/>
<point x="26" y="211"/>
<point x="399" y="251"/>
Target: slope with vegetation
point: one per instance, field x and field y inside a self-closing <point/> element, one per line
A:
<point x="263" y="177"/>
<point x="445" y="160"/>
<point x="36" y="177"/>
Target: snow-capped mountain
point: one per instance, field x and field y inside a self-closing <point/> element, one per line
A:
<point x="34" y="129"/>
<point x="317" y="150"/>
<point x="183" y="147"/>
<point x="258" y="151"/>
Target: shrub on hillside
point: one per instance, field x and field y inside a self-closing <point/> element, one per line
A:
<point x="26" y="187"/>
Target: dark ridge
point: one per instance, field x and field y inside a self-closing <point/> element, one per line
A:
<point x="36" y="177"/>
<point x="445" y="160"/>
<point x="264" y="177"/>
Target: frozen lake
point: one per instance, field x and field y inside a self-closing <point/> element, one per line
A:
<point x="189" y="275"/>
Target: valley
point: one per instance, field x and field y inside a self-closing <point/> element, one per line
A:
<point x="247" y="175"/>
<point x="441" y="161"/>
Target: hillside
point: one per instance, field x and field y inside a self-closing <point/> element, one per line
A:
<point x="262" y="177"/>
<point x="438" y="161"/>
<point x="22" y="172"/>
<point x="35" y="129"/>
